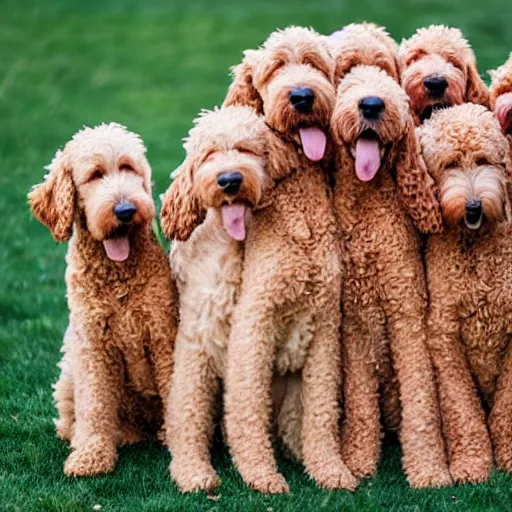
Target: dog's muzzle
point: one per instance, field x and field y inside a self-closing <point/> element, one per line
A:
<point x="125" y="211"/>
<point x="302" y="99"/>
<point x="473" y="215"/>
<point x="435" y="86"/>
<point x="230" y="182"/>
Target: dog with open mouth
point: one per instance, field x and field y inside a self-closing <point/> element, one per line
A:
<point x="118" y="348"/>
<point x="382" y="193"/>
<point x="439" y="70"/>
<point x="207" y="210"/>
<point x="501" y="96"/>
<point x="288" y="316"/>
<point x="469" y="273"/>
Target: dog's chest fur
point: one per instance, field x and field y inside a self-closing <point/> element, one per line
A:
<point x="208" y="269"/>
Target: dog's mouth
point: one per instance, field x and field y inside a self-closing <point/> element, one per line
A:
<point x="367" y="153"/>
<point x="233" y="218"/>
<point x="430" y="109"/>
<point x="117" y="245"/>
<point x="314" y="141"/>
<point x="473" y="221"/>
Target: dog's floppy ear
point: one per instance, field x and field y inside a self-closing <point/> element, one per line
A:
<point x="242" y="90"/>
<point x="476" y="90"/>
<point x="416" y="188"/>
<point x="53" y="201"/>
<point x="181" y="210"/>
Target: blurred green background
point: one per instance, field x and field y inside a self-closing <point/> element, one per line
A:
<point x="152" y="65"/>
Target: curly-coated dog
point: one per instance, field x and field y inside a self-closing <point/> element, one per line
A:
<point x="287" y="318"/>
<point x="118" y="349"/>
<point x="221" y="180"/>
<point x="469" y="273"/>
<point x="379" y="178"/>
<point x="501" y="96"/>
<point x="439" y="70"/>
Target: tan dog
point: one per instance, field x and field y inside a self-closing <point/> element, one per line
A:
<point x="287" y="318"/>
<point x="501" y="96"/>
<point x="379" y="178"/>
<point x="439" y="70"/>
<point x="118" y="350"/>
<point x="223" y="176"/>
<point x="469" y="270"/>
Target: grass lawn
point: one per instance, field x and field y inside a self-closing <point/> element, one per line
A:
<point x="153" y="65"/>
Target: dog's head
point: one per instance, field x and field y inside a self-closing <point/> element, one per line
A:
<point x="501" y="95"/>
<point x="373" y="126"/>
<point x="364" y="44"/>
<point x="439" y="70"/>
<point x="469" y="159"/>
<point x="290" y="81"/>
<point x="102" y="176"/>
<point x="224" y="169"/>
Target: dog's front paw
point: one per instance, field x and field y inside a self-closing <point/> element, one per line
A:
<point x="471" y="470"/>
<point x="425" y="478"/>
<point x="333" y="475"/>
<point x="194" y="479"/>
<point x="271" y="483"/>
<point x="360" y="465"/>
<point x="503" y="456"/>
<point x="92" y="459"/>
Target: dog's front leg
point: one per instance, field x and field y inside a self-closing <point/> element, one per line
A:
<point x="500" y="420"/>
<point x="248" y="389"/>
<point x="190" y="416"/>
<point x="98" y="387"/>
<point x="321" y="395"/>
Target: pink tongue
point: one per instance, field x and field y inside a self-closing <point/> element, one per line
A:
<point x="367" y="158"/>
<point x="117" y="248"/>
<point x="504" y="111"/>
<point x="233" y="220"/>
<point x="313" y="142"/>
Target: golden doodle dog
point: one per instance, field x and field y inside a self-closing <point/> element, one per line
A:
<point x="221" y="180"/>
<point x="287" y="318"/>
<point x="469" y="270"/>
<point x="501" y="96"/>
<point x="118" y="349"/>
<point x="439" y="70"/>
<point x="379" y="180"/>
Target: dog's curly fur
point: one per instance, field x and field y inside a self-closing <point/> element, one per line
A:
<point x="118" y="348"/>
<point x="208" y="270"/>
<point x="287" y="318"/>
<point x="442" y="52"/>
<point x="469" y="275"/>
<point x="384" y="296"/>
<point x="501" y="96"/>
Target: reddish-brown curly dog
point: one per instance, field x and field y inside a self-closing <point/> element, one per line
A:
<point x="469" y="271"/>
<point x="287" y="319"/>
<point x="118" y="349"/>
<point x="439" y="70"/>
<point x="501" y="96"/>
<point x="221" y="180"/>
<point x="379" y="180"/>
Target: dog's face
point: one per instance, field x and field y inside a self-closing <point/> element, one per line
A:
<point x="290" y="81"/>
<point x="439" y="70"/>
<point x="501" y="95"/>
<point x="102" y="175"/>
<point x="224" y="170"/>
<point x="370" y="117"/>
<point x="364" y="44"/>
<point x="468" y="157"/>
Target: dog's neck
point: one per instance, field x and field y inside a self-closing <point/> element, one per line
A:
<point x="90" y="256"/>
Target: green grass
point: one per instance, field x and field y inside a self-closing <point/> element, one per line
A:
<point x="153" y="65"/>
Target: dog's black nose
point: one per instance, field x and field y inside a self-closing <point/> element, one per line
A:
<point x="302" y="99"/>
<point x="473" y="210"/>
<point x="372" y="107"/>
<point x="230" y="182"/>
<point x="435" y="85"/>
<point x="125" y="211"/>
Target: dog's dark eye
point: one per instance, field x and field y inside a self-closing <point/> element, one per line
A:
<point x="272" y="70"/>
<point x="126" y="167"/>
<point x="96" y="175"/>
<point x="452" y="164"/>
<point x="482" y="161"/>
